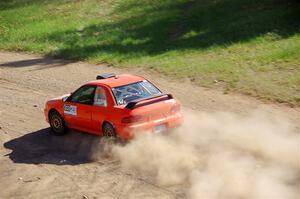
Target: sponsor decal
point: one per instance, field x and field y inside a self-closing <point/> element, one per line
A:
<point x="70" y="110"/>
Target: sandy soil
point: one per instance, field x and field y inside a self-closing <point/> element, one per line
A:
<point x="36" y="164"/>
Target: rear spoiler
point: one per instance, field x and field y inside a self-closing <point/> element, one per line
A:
<point x="105" y="76"/>
<point x="143" y="102"/>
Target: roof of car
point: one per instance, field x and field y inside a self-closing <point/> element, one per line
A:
<point x="118" y="80"/>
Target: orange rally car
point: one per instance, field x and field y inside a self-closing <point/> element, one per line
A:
<point x="114" y="106"/>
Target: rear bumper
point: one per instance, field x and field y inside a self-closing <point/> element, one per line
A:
<point x="128" y="131"/>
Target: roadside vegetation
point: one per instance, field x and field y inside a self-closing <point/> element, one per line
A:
<point x="246" y="46"/>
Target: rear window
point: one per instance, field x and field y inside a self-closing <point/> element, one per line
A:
<point x="131" y="92"/>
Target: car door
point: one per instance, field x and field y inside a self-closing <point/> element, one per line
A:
<point x="100" y="110"/>
<point x="78" y="108"/>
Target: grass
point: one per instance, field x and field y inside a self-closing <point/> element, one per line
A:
<point x="246" y="46"/>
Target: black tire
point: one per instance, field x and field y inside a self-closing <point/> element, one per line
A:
<point x="108" y="131"/>
<point x="57" y="123"/>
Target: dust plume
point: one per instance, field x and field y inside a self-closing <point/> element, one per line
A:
<point x="221" y="155"/>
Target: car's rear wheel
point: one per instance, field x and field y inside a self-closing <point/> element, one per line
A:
<point x="108" y="131"/>
<point x="57" y="123"/>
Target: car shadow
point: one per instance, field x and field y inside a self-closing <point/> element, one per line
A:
<point x="42" y="147"/>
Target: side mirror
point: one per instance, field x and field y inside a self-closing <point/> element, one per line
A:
<point x="66" y="97"/>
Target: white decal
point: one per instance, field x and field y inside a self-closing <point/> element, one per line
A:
<point x="70" y="110"/>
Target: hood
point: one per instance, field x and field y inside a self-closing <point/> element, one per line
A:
<point x="63" y="97"/>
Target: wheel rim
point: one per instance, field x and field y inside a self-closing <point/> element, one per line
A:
<point x="56" y="122"/>
<point x="109" y="132"/>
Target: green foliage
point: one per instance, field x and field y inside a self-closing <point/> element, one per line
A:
<point x="249" y="46"/>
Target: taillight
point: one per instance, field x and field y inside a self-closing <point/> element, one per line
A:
<point x="175" y="108"/>
<point x="133" y="119"/>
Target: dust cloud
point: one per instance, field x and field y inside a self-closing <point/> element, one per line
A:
<point x="221" y="156"/>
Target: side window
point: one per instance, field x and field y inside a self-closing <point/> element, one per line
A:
<point x="84" y="95"/>
<point x="100" y="97"/>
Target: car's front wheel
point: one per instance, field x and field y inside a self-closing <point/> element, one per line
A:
<point x="57" y="123"/>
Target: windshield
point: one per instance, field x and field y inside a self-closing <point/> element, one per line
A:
<point x="135" y="91"/>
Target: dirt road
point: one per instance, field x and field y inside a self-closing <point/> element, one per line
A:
<point x="35" y="164"/>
